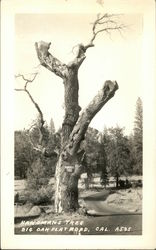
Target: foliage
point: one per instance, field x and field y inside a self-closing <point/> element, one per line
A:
<point x="43" y="167"/>
<point x="95" y="161"/>
<point x="39" y="135"/>
<point x="33" y="165"/>
<point x="92" y="150"/>
<point x="51" y="127"/>
<point x="42" y="196"/>
<point x="23" y="154"/>
<point x="118" y="153"/>
<point x="104" y="178"/>
<point x="37" y="182"/>
<point x="91" y="154"/>
<point x="138" y="135"/>
<point x="104" y="164"/>
<point x="132" y="170"/>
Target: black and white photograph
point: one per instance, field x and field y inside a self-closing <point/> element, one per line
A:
<point x="79" y="120"/>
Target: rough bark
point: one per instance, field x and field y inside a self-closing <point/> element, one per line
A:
<point x="69" y="74"/>
<point x="49" y="61"/>
<point x="66" y="186"/>
<point x="66" y="195"/>
<point x="103" y="96"/>
<point x="72" y="108"/>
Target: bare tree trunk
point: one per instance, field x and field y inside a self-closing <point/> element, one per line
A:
<point x="66" y="193"/>
<point x="72" y="108"/>
<point x="69" y="168"/>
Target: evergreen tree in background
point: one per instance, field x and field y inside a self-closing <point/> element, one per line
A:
<point x="104" y="166"/>
<point x="51" y="127"/>
<point x="23" y="154"/>
<point x="92" y="148"/>
<point x="38" y="189"/>
<point x="138" y="136"/>
<point x="118" y="153"/>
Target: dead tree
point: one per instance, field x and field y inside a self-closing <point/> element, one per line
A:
<point x="69" y="165"/>
<point x="40" y="145"/>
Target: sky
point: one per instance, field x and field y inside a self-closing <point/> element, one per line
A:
<point x="118" y="57"/>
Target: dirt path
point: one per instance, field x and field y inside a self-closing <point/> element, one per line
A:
<point x="118" y="202"/>
<point x="101" y="208"/>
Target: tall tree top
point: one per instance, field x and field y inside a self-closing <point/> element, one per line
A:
<point x="138" y="123"/>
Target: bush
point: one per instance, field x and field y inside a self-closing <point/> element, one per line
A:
<point x="42" y="196"/>
<point x="38" y="189"/>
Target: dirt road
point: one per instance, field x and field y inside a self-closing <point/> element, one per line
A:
<point x="104" y="220"/>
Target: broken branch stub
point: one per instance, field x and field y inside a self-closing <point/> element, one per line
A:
<point x="49" y="61"/>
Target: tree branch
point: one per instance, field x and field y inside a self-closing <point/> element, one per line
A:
<point x="104" y="23"/>
<point x="77" y="135"/>
<point x="80" y="56"/>
<point x="39" y="147"/>
<point x="26" y="79"/>
<point x="30" y="96"/>
<point x="49" y="61"/>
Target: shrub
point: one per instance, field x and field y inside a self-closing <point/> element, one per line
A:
<point x="42" y="196"/>
<point x="38" y="189"/>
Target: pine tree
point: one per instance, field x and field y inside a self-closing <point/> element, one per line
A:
<point x="51" y="127"/>
<point x="138" y="136"/>
<point x="23" y="154"/>
<point x="118" y="153"/>
<point x="104" y="167"/>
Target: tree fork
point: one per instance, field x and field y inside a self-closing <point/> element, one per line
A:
<point x="69" y="168"/>
<point x="69" y="74"/>
<point x="104" y="95"/>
